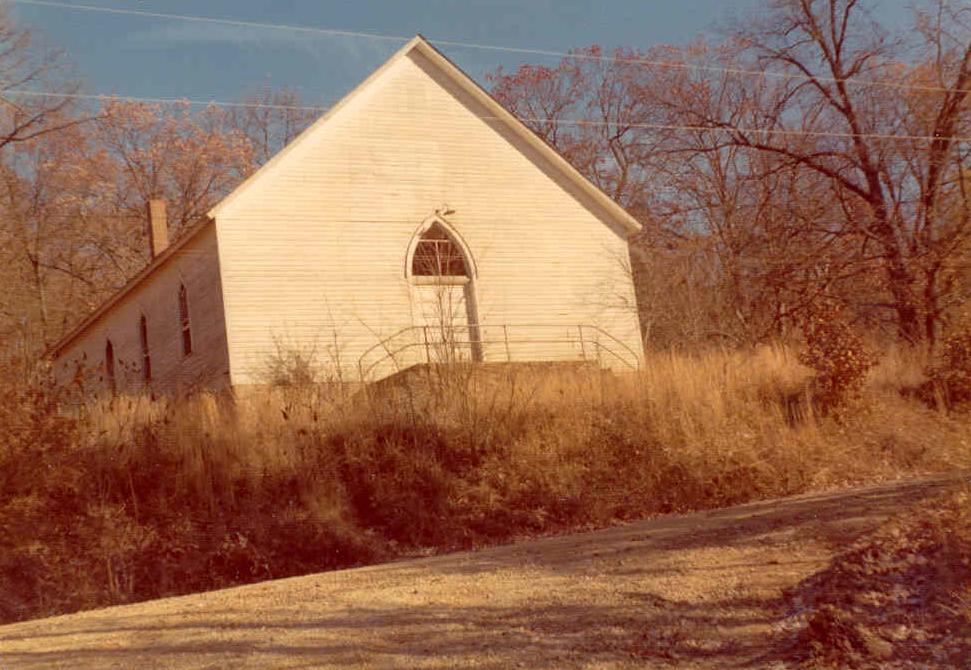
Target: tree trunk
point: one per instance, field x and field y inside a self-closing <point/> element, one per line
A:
<point x="900" y="281"/>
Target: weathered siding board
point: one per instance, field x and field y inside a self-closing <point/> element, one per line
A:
<point x="318" y="244"/>
<point x="197" y="266"/>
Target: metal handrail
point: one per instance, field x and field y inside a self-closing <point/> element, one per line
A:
<point x="614" y="339"/>
<point x="479" y="341"/>
<point x="381" y="343"/>
<point x="614" y="354"/>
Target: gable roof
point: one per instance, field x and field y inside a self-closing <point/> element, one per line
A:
<point x="468" y="85"/>
<point x="454" y="74"/>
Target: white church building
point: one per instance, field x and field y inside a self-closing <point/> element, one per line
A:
<point x="418" y="221"/>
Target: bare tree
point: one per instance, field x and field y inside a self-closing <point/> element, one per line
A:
<point x="72" y="206"/>
<point x="720" y="241"/>
<point x="64" y="251"/>
<point x="35" y="88"/>
<point x="590" y="108"/>
<point x="270" y="119"/>
<point x="807" y="181"/>
<point x="849" y="131"/>
<point x="191" y="160"/>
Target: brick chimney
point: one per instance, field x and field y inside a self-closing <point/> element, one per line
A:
<point x="158" y="227"/>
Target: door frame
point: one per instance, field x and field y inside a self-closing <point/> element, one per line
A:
<point x="468" y="282"/>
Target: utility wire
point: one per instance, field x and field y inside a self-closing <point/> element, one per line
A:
<point x="735" y="129"/>
<point x="525" y="119"/>
<point x="491" y="47"/>
<point x="104" y="97"/>
<point x="207" y="19"/>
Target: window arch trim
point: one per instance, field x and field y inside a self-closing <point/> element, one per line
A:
<point x="470" y="266"/>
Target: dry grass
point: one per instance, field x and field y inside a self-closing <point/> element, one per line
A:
<point x="134" y="500"/>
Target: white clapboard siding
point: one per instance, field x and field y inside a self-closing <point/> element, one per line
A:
<point x="314" y="250"/>
<point x="196" y="265"/>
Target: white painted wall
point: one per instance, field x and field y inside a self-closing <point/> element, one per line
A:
<point x="197" y="266"/>
<point x="314" y="252"/>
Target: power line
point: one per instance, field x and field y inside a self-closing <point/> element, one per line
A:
<point x="104" y="97"/>
<point x="207" y="19"/>
<point x="490" y="47"/>
<point x="753" y="131"/>
<point x="525" y="119"/>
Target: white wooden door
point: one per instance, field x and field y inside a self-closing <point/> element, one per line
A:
<point x="444" y="312"/>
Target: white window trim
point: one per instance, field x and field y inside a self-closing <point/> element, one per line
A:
<point x="439" y="280"/>
<point x="470" y="265"/>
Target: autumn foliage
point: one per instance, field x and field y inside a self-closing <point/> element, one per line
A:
<point x="838" y="355"/>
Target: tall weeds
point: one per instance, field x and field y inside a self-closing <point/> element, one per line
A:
<point x="131" y="499"/>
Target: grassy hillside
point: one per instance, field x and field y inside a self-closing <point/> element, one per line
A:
<point x="129" y="500"/>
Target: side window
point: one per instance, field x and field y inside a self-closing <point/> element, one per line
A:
<point x="184" y="324"/>
<point x="110" y="367"/>
<point x="146" y="353"/>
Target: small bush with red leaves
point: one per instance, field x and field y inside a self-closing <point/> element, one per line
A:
<point x="838" y="355"/>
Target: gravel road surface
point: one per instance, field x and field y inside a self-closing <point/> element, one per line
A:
<point x="694" y="591"/>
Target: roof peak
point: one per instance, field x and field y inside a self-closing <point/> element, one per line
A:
<point x="453" y="71"/>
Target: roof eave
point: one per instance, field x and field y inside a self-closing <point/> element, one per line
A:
<point x="468" y="84"/>
<point x="58" y="348"/>
<point x="464" y="81"/>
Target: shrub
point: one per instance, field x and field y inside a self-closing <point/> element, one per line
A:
<point x="290" y="366"/>
<point x="398" y="481"/>
<point x="950" y="380"/>
<point x="839" y="357"/>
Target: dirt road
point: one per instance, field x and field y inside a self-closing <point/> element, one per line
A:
<point x="694" y="591"/>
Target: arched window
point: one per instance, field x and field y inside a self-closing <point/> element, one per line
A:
<point x="146" y="354"/>
<point x="437" y="255"/>
<point x="184" y="324"/>
<point x="110" y="366"/>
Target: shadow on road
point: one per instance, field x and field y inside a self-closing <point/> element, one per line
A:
<point x="290" y="624"/>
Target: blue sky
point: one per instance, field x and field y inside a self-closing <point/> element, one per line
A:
<point x="139" y="56"/>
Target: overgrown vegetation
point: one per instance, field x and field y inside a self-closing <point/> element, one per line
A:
<point x="949" y="381"/>
<point x="131" y="500"/>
